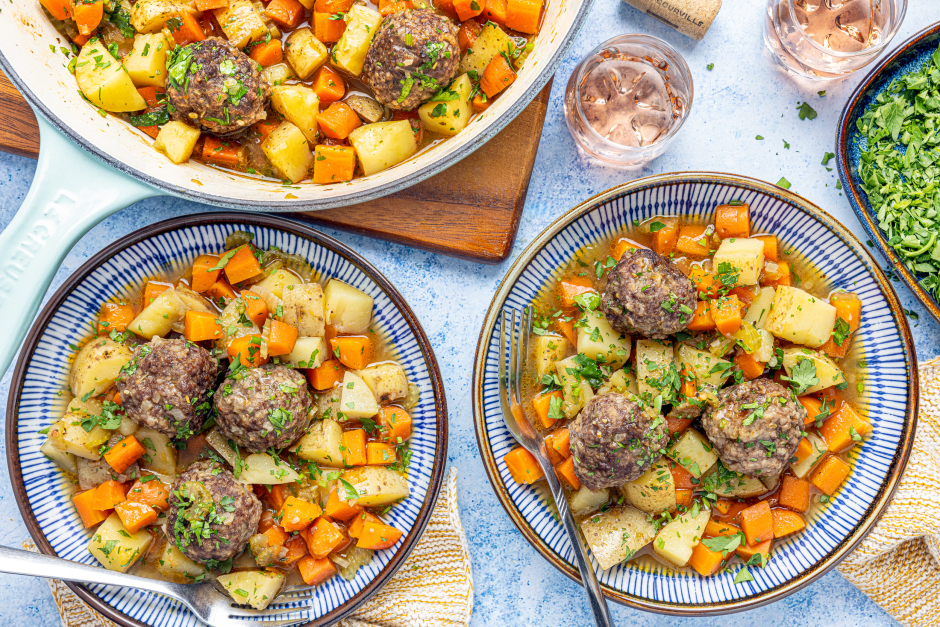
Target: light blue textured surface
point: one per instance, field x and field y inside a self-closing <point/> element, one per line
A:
<point x="742" y="97"/>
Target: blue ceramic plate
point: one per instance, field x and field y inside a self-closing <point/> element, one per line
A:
<point x="889" y="399"/>
<point x="38" y="395"/>
<point x="910" y="56"/>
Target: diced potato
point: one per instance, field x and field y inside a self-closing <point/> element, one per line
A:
<point x="802" y="469"/>
<point x="377" y="485"/>
<point x="157" y="318"/>
<point x="128" y="426"/>
<point x="827" y="371"/>
<point x="348" y="309"/>
<point x="549" y="348"/>
<point x="349" y="53"/>
<point x="449" y="114"/>
<point x="675" y="541"/>
<point x="92" y="473"/>
<point x="146" y="64"/>
<point x="278" y="74"/>
<point x="328" y="405"/>
<point x="158" y="448"/>
<point x="115" y="547"/>
<point x="263" y="469"/>
<point x="103" y="80"/>
<point x="730" y="484"/>
<point x="759" y="311"/>
<point x="766" y="350"/>
<point x="693" y="452"/>
<point x="654" y="492"/>
<point x="68" y="435"/>
<point x="654" y="361"/>
<point x="288" y="150"/>
<point x="622" y="381"/>
<point x="617" y="534"/>
<point x="321" y="444"/>
<point x="305" y="53"/>
<point x="256" y="588"/>
<point x="709" y="371"/>
<point x="309" y="352"/>
<point x="62" y="459"/>
<point x="770" y="482"/>
<point x="97" y="365"/>
<point x="176" y="140"/>
<point x="600" y="342"/>
<point x="241" y="22"/>
<point x="381" y="145"/>
<point x="747" y="255"/>
<point x="585" y="501"/>
<point x="491" y="42"/>
<point x="357" y="400"/>
<point x="572" y="387"/>
<point x="277" y="282"/>
<point x="303" y="308"/>
<point x="387" y="381"/>
<point x="799" y="317"/>
<point x="299" y="105"/>
<point x="176" y="567"/>
<point x="149" y="16"/>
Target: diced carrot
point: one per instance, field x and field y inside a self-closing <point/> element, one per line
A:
<point x="89" y="515"/>
<point x="267" y="53"/>
<point x="561" y="442"/>
<point x="224" y="152"/>
<point x="704" y="282"/>
<point x="803" y="450"/>
<point x="201" y="325"/>
<point x="746" y="551"/>
<point x="150" y="491"/>
<point x="297" y="514"/>
<point x="843" y="429"/>
<point x="117" y="399"/>
<point x="338" y="509"/>
<point x="715" y="529"/>
<point x="689" y="388"/>
<point x="328" y="85"/>
<point x="152" y="131"/>
<point x="780" y="276"/>
<point x="242" y="266"/>
<point x="255" y="308"/>
<point x="281" y="338"/>
<point x="380" y="454"/>
<point x="326" y="375"/>
<point x="354" y="447"/>
<point x="813" y="407"/>
<point x="87" y="15"/>
<point x="848" y="307"/>
<point x="524" y="15"/>
<point x="726" y="312"/>
<point x="480" y="102"/>
<point x="723" y="506"/>
<point x="329" y="332"/>
<point x="665" y="239"/>
<point x="153" y="289"/>
<point x="378" y="536"/>
<point x="248" y="349"/>
<point x="702" y="317"/>
<point x="619" y="248"/>
<point x="566" y="474"/>
<point x="276" y="535"/>
<point x="681" y="477"/>
<point x="354" y="351"/>
<point x="497" y="76"/>
<point x="692" y="241"/>
<point x="220" y="291"/>
<point x="316" y="571"/>
<point x="523" y="466"/>
<point x="327" y="28"/>
<point x="114" y="317"/>
<point x="757" y="523"/>
<point x="733" y="221"/>
<point x="750" y="367"/>
<point x="135" y="516"/>
<point x="771" y="247"/>
<point x="187" y="30"/>
<point x="542" y="404"/>
<point x="794" y="493"/>
<point x="322" y="537"/>
<point x="208" y="5"/>
<point x="332" y="6"/>
<point x="356" y="524"/>
<point x="333" y="164"/>
<point x="705" y="561"/>
<point x="554" y="457"/>
<point x="684" y="498"/>
<point x="494" y="11"/>
<point x="123" y="454"/>
<point x="571" y="287"/>
<point x="264" y="127"/>
<point x="296" y="550"/>
<point x="275" y="496"/>
<point x="565" y="325"/>
<point x="468" y="33"/>
<point x="387" y="7"/>
<point x="60" y="9"/>
<point x="677" y="425"/>
<point x="107" y="495"/>
<point x="204" y="276"/>
<point x="396" y="424"/>
<point x="287" y="13"/>
<point x="80" y="40"/>
<point x="338" y="121"/>
<point x="787" y="523"/>
<point x="467" y="9"/>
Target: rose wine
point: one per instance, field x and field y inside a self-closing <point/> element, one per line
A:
<point x="840" y="25"/>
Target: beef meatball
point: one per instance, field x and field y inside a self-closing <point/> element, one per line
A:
<point x="614" y="441"/>
<point x="165" y="384"/>
<point x="648" y="295"/>
<point x="413" y="56"/>
<point x="756" y="427"/>
<point x="263" y="407"/>
<point x="215" y="87"/>
<point x="212" y="514"/>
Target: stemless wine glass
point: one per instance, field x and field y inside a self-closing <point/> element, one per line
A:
<point x="827" y="39"/>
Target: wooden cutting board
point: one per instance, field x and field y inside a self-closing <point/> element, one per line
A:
<point x="470" y="211"/>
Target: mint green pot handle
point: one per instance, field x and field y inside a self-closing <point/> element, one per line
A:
<point x="71" y="192"/>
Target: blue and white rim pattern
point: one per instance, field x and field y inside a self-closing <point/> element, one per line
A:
<point x="884" y="399"/>
<point x="44" y="396"/>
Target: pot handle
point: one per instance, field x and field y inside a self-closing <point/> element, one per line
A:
<point x="70" y="193"/>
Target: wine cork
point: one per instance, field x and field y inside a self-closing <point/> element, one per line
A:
<point x="690" y="17"/>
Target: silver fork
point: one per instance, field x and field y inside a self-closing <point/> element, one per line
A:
<point x="526" y="435"/>
<point x="208" y="604"/>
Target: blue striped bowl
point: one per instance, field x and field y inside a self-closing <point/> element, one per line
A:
<point x="889" y="399"/>
<point x="38" y="396"/>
